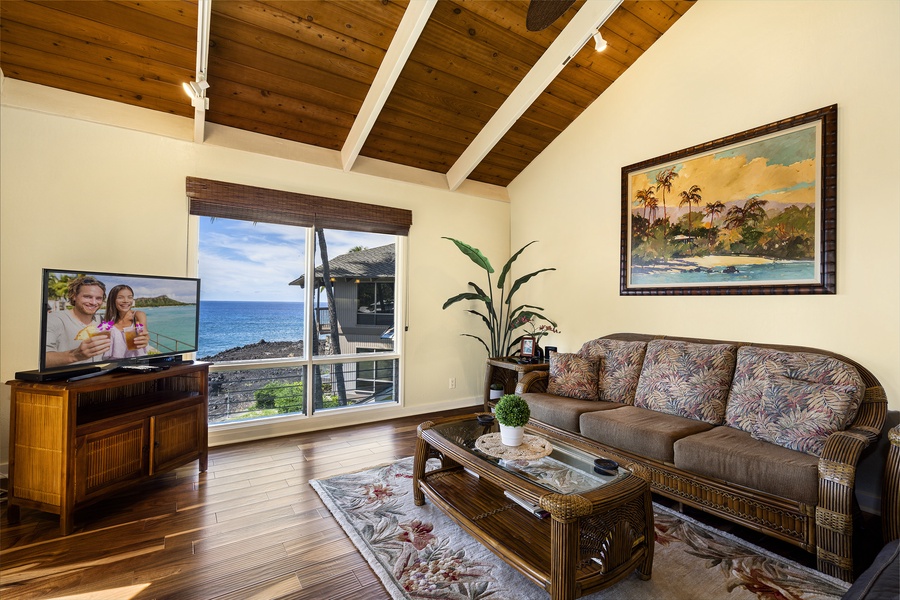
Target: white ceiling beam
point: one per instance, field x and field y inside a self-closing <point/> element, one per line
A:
<point x="570" y="41"/>
<point x="204" y="14"/>
<point x="402" y="44"/>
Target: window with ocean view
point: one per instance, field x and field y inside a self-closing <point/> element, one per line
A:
<point x="279" y="348"/>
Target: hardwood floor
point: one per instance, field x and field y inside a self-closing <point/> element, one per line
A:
<point x="250" y="527"/>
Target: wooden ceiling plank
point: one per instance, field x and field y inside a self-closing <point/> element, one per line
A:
<point x="240" y="54"/>
<point x="182" y="12"/>
<point x="415" y="121"/>
<point x="588" y="19"/>
<point x="310" y="34"/>
<point x="105" y="92"/>
<point x="42" y="17"/>
<point x="251" y="96"/>
<point x="268" y="88"/>
<point x="246" y="124"/>
<point x="330" y="130"/>
<point x="73" y="70"/>
<point x="654" y="13"/>
<point x="126" y="19"/>
<point x="65" y="47"/>
<point x="372" y="21"/>
<point x="402" y="44"/>
<point x="286" y="49"/>
<point x="494" y="175"/>
<point x="626" y="25"/>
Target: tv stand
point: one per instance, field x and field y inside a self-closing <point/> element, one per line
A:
<point x="72" y="443"/>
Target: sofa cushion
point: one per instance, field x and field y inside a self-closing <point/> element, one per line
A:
<point x="733" y="456"/>
<point x="801" y="415"/>
<point x="686" y="379"/>
<point x="756" y="368"/>
<point x="560" y="411"/>
<point x="572" y="376"/>
<point x="618" y="367"/>
<point x="640" y="431"/>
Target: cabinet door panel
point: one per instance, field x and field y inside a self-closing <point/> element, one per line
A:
<point x="176" y="437"/>
<point x="110" y="458"/>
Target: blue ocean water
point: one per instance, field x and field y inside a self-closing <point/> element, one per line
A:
<point x="780" y="271"/>
<point x="226" y="324"/>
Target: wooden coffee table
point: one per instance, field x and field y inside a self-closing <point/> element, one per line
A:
<point x="599" y="528"/>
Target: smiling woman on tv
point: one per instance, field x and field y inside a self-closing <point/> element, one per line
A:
<point x="128" y="334"/>
<point x="75" y="336"/>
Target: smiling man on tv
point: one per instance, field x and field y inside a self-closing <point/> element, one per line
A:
<point x="74" y="336"/>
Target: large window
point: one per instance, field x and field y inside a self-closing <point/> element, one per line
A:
<point x="290" y="301"/>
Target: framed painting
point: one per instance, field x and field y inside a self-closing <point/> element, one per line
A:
<point x="751" y="213"/>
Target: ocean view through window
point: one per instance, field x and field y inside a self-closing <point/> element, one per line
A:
<point x="279" y="349"/>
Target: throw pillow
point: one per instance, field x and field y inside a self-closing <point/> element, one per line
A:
<point x="572" y="376"/>
<point x="756" y="367"/>
<point x="686" y="379"/>
<point x="801" y="415"/>
<point x="618" y="367"/>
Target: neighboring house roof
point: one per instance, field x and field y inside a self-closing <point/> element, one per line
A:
<point x="370" y="263"/>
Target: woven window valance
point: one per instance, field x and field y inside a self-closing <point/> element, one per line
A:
<point x="210" y="198"/>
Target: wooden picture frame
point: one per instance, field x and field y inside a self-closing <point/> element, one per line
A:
<point x="527" y="347"/>
<point x="750" y="213"/>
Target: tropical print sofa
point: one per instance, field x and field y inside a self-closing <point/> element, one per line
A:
<point x="766" y="436"/>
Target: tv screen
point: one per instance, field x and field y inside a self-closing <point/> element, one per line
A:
<point x="89" y="317"/>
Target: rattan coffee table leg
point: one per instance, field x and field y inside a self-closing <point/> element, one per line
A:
<point x="564" y="536"/>
<point x="419" y="460"/>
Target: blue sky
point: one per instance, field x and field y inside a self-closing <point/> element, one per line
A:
<point x="254" y="263"/>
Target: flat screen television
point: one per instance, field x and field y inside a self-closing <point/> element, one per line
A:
<point x="93" y="321"/>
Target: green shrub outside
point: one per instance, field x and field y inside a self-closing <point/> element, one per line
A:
<point x="282" y="396"/>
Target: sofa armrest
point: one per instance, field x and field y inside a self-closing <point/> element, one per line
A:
<point x="837" y="480"/>
<point x="535" y="381"/>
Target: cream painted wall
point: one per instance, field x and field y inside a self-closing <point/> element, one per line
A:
<point x="77" y="194"/>
<point x="723" y="68"/>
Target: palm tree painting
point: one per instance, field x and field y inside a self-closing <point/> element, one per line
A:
<point x="753" y="200"/>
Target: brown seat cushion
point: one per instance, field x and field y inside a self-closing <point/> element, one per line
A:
<point x="645" y="432"/>
<point x="563" y="412"/>
<point x="734" y="456"/>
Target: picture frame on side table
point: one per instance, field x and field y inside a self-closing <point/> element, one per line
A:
<point x="526" y="348"/>
<point x="750" y="213"/>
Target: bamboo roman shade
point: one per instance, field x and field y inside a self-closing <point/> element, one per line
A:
<point x="210" y="198"/>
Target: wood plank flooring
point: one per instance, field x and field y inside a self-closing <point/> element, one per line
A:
<point x="250" y="527"/>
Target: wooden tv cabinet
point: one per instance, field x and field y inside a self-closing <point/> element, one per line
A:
<point x="73" y="443"/>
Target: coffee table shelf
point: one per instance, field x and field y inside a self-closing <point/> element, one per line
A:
<point x="591" y="540"/>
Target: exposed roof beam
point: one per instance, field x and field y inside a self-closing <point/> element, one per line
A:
<point x="398" y="52"/>
<point x="570" y="41"/>
<point x="204" y="14"/>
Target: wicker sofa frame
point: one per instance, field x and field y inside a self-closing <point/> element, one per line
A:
<point x="826" y="529"/>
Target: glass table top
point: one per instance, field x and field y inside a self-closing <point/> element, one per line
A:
<point x="567" y="470"/>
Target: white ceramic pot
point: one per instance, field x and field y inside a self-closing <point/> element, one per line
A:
<point x="511" y="436"/>
<point x="496" y="394"/>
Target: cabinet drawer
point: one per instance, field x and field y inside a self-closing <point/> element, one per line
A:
<point x="176" y="437"/>
<point x="110" y="458"/>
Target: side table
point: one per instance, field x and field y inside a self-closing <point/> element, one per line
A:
<point x="508" y="372"/>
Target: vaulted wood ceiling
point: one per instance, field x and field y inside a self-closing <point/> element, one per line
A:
<point x="453" y="96"/>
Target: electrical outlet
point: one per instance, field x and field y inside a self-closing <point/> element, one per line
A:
<point x="453" y="383"/>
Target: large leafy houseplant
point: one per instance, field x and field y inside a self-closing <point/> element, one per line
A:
<point x="499" y="315"/>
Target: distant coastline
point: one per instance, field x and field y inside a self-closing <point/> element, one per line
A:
<point x="693" y="263"/>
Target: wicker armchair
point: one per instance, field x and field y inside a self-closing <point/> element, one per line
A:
<point x="826" y="528"/>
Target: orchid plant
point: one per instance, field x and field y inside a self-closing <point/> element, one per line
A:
<point x="499" y="315"/>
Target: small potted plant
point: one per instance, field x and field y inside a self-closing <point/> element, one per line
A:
<point x="512" y="413"/>
<point x="496" y="390"/>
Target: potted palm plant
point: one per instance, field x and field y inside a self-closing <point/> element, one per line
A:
<point x="512" y="413"/>
<point x="500" y="316"/>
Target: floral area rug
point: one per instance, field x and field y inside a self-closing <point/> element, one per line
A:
<point x="420" y="553"/>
